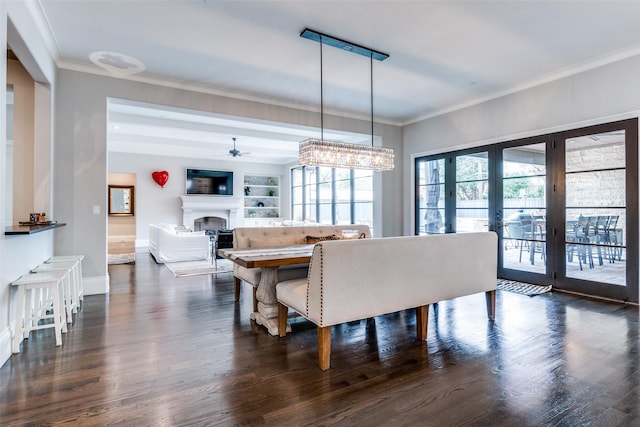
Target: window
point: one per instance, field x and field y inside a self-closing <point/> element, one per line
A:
<point x="332" y="196"/>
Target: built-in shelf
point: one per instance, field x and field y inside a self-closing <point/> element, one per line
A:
<point x="261" y="197"/>
<point x="30" y="229"/>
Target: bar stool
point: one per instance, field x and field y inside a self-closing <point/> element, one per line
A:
<point x="32" y="307"/>
<point x="77" y="271"/>
<point x="70" y="294"/>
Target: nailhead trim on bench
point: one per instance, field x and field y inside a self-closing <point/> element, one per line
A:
<point x="321" y="285"/>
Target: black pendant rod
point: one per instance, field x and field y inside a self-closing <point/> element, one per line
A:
<point x="321" y="97"/>
<point x="371" y="65"/>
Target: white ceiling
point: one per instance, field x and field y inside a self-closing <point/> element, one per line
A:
<point x="443" y="55"/>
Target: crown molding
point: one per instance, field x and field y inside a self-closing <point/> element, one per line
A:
<point x="178" y="84"/>
<point x="557" y="75"/>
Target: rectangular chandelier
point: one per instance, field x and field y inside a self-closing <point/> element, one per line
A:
<point x="320" y="152"/>
<point x="315" y="152"/>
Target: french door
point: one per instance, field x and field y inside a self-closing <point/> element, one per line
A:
<point x="521" y="209"/>
<point x="596" y="226"/>
<point x="453" y="192"/>
<point x="564" y="205"/>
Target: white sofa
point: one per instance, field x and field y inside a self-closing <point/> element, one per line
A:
<point x="168" y="243"/>
<point x="357" y="279"/>
<point x="268" y="237"/>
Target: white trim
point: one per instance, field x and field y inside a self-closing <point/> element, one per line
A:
<point x="210" y="90"/>
<point x="5" y="345"/>
<point x="558" y="75"/>
<point x="538" y="132"/>
<point x="227" y="208"/>
<point x="96" y="285"/>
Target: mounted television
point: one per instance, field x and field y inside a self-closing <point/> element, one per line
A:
<point x="209" y="182"/>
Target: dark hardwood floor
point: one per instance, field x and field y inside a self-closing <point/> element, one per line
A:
<point x="161" y="351"/>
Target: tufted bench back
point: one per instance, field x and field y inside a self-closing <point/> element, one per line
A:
<point x="265" y="237"/>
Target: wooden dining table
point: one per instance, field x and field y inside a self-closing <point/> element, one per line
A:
<point x="269" y="260"/>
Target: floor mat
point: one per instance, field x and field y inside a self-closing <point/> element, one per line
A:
<point x="122" y="258"/>
<point x="522" y="288"/>
<point x="195" y="268"/>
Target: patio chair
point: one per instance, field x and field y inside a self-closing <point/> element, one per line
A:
<point x="512" y="234"/>
<point x="611" y="239"/>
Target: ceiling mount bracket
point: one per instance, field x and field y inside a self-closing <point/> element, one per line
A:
<point x="343" y="44"/>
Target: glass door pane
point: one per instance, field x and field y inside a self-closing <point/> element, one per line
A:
<point x="524" y="209"/>
<point x="596" y="208"/>
<point x="472" y="192"/>
<point x="342" y="196"/>
<point x="363" y="197"/>
<point x="430" y="200"/>
<point x="310" y="194"/>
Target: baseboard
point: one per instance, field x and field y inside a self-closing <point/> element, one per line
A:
<point x="142" y="243"/>
<point x="95" y="285"/>
<point x="5" y="345"/>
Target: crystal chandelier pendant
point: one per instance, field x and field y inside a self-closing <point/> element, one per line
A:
<point x="319" y="152"/>
<point x="314" y="152"/>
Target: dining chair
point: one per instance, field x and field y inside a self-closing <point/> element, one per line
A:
<point x="512" y="234"/>
<point x="599" y="236"/>
<point x="526" y="227"/>
<point x="540" y="237"/>
<point x="582" y="238"/>
<point x="611" y="238"/>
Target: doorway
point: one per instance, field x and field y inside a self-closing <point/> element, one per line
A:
<point x="121" y="227"/>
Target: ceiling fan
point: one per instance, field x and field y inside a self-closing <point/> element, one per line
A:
<point x="235" y="152"/>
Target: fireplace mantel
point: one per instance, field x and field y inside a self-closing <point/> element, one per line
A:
<point x="194" y="207"/>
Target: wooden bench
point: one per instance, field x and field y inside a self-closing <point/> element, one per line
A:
<point x="270" y="237"/>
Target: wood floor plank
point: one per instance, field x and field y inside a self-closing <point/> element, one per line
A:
<point x="166" y="351"/>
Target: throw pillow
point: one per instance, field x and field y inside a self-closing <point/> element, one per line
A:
<point x="274" y="242"/>
<point x="183" y="231"/>
<point x="314" y="239"/>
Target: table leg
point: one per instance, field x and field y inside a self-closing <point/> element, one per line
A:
<point x="532" y="251"/>
<point x="267" y="314"/>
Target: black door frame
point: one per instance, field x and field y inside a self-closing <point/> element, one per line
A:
<point x="512" y="274"/>
<point x="620" y="293"/>
<point x="555" y="207"/>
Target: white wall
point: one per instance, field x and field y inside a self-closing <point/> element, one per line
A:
<point x="18" y="254"/>
<point x="607" y="93"/>
<point x="5" y="332"/>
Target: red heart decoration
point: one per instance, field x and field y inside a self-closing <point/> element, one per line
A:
<point x="160" y="177"/>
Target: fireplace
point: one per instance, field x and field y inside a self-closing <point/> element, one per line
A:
<point x="209" y="223"/>
<point x="223" y="208"/>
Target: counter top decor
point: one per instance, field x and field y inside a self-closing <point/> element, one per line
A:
<point x="32" y="228"/>
<point x="37" y="222"/>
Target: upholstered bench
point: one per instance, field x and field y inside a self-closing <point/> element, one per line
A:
<point x="357" y="279"/>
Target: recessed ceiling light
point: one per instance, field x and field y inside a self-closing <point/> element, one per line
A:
<point x="117" y="64"/>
